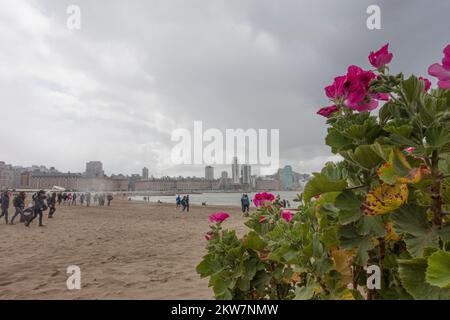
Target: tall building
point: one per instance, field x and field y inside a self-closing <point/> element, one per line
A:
<point x="209" y="173"/>
<point x="94" y="169"/>
<point x="287" y="177"/>
<point x="6" y="176"/>
<point x="224" y="175"/>
<point x="235" y="170"/>
<point x="145" y="173"/>
<point x="246" y="173"/>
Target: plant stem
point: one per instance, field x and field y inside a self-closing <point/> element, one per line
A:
<point x="436" y="177"/>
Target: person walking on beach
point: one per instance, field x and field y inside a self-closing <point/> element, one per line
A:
<point x="178" y="201"/>
<point x="38" y="208"/>
<point x="5" y="205"/>
<point x="64" y="197"/>
<point x="74" y="199"/>
<point x="60" y="197"/>
<point x="19" y="205"/>
<point x="95" y="199"/>
<point x="88" y="199"/>
<point x="51" y="203"/>
<point x="183" y="204"/>
<point x="187" y="203"/>
<point x="110" y="198"/>
<point x="245" y="203"/>
<point x="69" y="199"/>
<point x="82" y="197"/>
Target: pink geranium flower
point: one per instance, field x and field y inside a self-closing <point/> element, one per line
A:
<point x="209" y="235"/>
<point x="286" y="216"/>
<point x="442" y="72"/>
<point x="381" y="58"/>
<point x="426" y="82"/>
<point x="352" y="90"/>
<point x="336" y="90"/>
<point x="268" y="196"/>
<point x="261" y="198"/>
<point x="409" y="150"/>
<point x="328" y="111"/>
<point x="218" y="217"/>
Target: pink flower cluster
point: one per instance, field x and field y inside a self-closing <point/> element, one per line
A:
<point x="261" y="198"/>
<point x="286" y="216"/>
<point x="353" y="89"/>
<point x="442" y="71"/>
<point x="218" y="217"/>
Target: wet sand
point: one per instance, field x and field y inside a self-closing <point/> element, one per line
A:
<point x="127" y="251"/>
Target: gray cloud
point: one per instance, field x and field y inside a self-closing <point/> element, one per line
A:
<point x="136" y="70"/>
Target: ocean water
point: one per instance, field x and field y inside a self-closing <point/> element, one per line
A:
<point x="231" y="199"/>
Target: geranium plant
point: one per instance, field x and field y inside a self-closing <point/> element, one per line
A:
<point x="386" y="204"/>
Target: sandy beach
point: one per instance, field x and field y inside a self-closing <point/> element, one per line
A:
<point x="130" y="250"/>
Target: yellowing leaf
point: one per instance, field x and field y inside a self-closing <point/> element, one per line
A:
<point x="342" y="261"/>
<point x="387" y="173"/>
<point x="391" y="234"/>
<point x="385" y="199"/>
<point x="415" y="175"/>
<point x="347" y="295"/>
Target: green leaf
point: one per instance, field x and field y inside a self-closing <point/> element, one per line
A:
<point x="208" y="266"/>
<point x="350" y="239"/>
<point x="324" y="182"/>
<point x="349" y="206"/>
<point x="438" y="271"/>
<point x="371" y="225"/>
<point x="418" y="233"/>
<point x="253" y="241"/>
<point x="306" y="292"/>
<point x="260" y="281"/>
<point x="336" y="140"/>
<point x="364" y="156"/>
<point x="221" y="287"/>
<point x="412" y="88"/>
<point x="330" y="237"/>
<point x="437" y="137"/>
<point x="412" y="276"/>
<point x="444" y="233"/>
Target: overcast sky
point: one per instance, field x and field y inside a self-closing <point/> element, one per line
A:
<point x="116" y="89"/>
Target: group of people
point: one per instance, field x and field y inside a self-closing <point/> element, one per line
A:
<point x="41" y="201"/>
<point x="183" y="203"/>
<point x="245" y="203"/>
<point x="71" y="199"/>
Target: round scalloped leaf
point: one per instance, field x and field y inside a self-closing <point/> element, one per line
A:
<point x="438" y="271"/>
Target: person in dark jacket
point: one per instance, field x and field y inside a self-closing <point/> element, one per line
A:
<point x="19" y="205"/>
<point x="88" y="199"/>
<point x="74" y="199"/>
<point x="60" y="198"/>
<point x="38" y="208"/>
<point x="245" y="204"/>
<point x="5" y="205"/>
<point x="109" y="198"/>
<point x="51" y="203"/>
